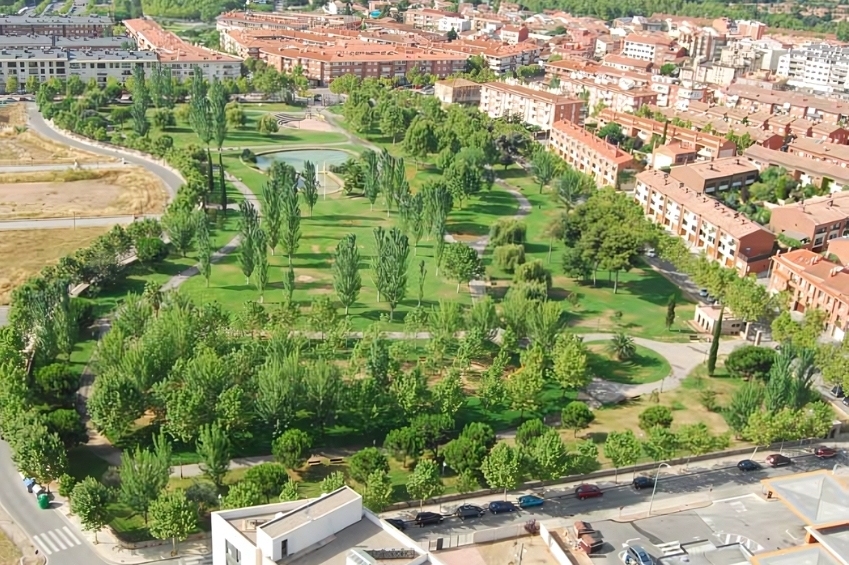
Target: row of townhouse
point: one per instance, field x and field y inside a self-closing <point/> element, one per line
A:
<point x="585" y="152"/>
<point x="707" y="146"/>
<point x="61" y="26"/>
<point x="822" y="174"/>
<point x="706" y="225"/>
<point x="814" y="222"/>
<point x="181" y="56"/>
<point x="534" y="107"/>
<point x="276" y="20"/>
<point x="795" y="104"/>
<point x="63" y="64"/>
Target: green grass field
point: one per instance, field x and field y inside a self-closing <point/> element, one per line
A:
<point x="646" y="366"/>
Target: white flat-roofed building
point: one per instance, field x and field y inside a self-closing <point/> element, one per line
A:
<point x="333" y="529"/>
<point x="65" y="63"/>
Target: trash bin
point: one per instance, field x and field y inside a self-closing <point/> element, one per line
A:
<point x="43" y="501"/>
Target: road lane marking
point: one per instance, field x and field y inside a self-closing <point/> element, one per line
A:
<point x="41" y="545"/>
<point x="64" y="539"/>
<point x="56" y="538"/>
<point x="72" y="536"/>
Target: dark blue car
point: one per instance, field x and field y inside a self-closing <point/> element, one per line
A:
<point x="497" y="506"/>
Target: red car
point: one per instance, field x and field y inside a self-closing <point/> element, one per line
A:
<point x="825" y="452"/>
<point x="587" y="491"/>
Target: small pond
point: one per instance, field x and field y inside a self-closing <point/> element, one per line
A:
<point x="320" y="157"/>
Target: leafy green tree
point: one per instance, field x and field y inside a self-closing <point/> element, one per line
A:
<point x="144" y="474"/>
<point x="291" y="236"/>
<point x="714" y="343"/>
<point x="290" y="492"/>
<point x="577" y="416"/>
<point x="420" y="141"/>
<point x="242" y="495"/>
<point x="347" y="281"/>
<point x="448" y="394"/>
<point x="623" y="449"/>
<point x="248" y="226"/>
<point x="698" y="440"/>
<point x="138" y="110"/>
<point x="310" y="185"/>
<point x="322" y="391"/>
<point x="393" y="121"/>
<point x="13" y="85"/>
<point x="623" y="347"/>
<point x="570" y="362"/>
<point x="660" y="444"/>
<point x="179" y="224"/>
<point x="260" y="243"/>
<point x="655" y="416"/>
<point x="744" y="402"/>
<point x="467" y="482"/>
<point x="543" y="322"/>
<point x="549" y="456"/>
<point x="390" y="264"/>
<point x="464" y="454"/>
<point x="292" y="447"/>
<point x="333" y="481"/>
<point x="524" y="385"/>
<point x="269" y="477"/>
<point x="529" y="431"/>
<point x="365" y="462"/>
<point x="462" y="263"/>
<point x="544" y="166"/>
<point x="213" y="449"/>
<point x="173" y="516"/>
<point x="670" y="312"/>
<point x="404" y="443"/>
<point x="502" y="468"/>
<point x="204" y="246"/>
<point x="267" y="125"/>
<point x="424" y="482"/>
<point x="272" y="211"/>
<point x="750" y="362"/>
<point x="377" y="492"/>
<point x="89" y="501"/>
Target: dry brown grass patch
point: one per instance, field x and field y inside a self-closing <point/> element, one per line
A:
<point x="9" y="552"/>
<point x="28" y="147"/>
<point x="50" y="194"/>
<point x="24" y="253"/>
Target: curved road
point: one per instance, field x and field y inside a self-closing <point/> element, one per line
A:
<point x="39" y="125"/>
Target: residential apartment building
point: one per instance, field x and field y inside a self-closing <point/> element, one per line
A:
<point x="603" y="161"/>
<point x="324" y="64"/>
<point x="31" y="41"/>
<point x="454" y="22"/>
<point x="718" y="175"/>
<point x="181" y="56"/>
<point x="622" y="94"/>
<point x="289" y="20"/>
<point x="61" y="26"/>
<point x="626" y="63"/>
<point x="820" y="150"/>
<point x="834" y="178"/>
<point x="707" y="146"/>
<point x="332" y="529"/>
<point x="534" y="107"/>
<point x="791" y="103"/>
<point x="65" y="63"/>
<point x="813" y="282"/>
<point x="815" y="221"/>
<point x="820" y="67"/>
<point x="426" y="18"/>
<point x="655" y="47"/>
<point x="513" y="35"/>
<point x="704" y="224"/>
<point x="501" y="57"/>
<point x="457" y="91"/>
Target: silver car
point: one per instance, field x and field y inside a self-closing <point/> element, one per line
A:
<point x="636" y="555"/>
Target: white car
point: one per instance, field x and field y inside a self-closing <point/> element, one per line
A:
<point x="651" y="253"/>
<point x="636" y="555"/>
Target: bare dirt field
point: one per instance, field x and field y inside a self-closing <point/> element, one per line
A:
<point x="532" y="549"/>
<point x="19" y="146"/>
<point x="311" y="125"/>
<point x="82" y="193"/>
<point x="24" y="253"/>
<point x="9" y="553"/>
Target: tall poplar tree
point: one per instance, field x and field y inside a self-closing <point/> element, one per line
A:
<point x="200" y="119"/>
<point x="396" y="253"/>
<point x="310" y="187"/>
<point x="346" y="271"/>
<point x="217" y="112"/>
<point x="291" y="233"/>
<point x="371" y="177"/>
<point x="260" y="242"/>
<point x="247" y="248"/>
<point x="272" y="211"/>
<point x="204" y="245"/>
<point x="138" y="111"/>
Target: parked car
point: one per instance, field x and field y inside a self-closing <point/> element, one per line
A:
<point x="846" y="401"/>
<point x="428" y="518"/>
<point x="587" y="491"/>
<point x="778" y="460"/>
<point x="398" y="523"/>
<point x="497" y="506"/>
<point x="530" y="500"/>
<point x="837" y="391"/>
<point x="650" y="252"/>
<point x="748" y="465"/>
<point x="636" y="555"/>
<point x="825" y="452"/>
<point x="469" y="511"/>
<point x="643" y="482"/>
<point x="703" y="293"/>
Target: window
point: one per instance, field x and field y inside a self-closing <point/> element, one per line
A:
<point x="284" y="547"/>
<point x="234" y="556"/>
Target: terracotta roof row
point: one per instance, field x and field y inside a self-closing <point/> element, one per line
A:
<point x="169" y="47"/>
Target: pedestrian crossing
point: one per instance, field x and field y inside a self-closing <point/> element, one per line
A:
<point x="57" y="540"/>
<point x="670" y="548"/>
<point x="730" y="539"/>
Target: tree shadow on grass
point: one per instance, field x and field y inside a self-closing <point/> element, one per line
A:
<point x="653" y="288"/>
<point x="623" y="372"/>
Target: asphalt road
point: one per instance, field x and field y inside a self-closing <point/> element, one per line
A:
<point x="697" y="487"/>
<point x="38" y="125"/>
<point x="55" y="223"/>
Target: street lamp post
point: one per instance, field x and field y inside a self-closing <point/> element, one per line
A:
<point x="654" y="488"/>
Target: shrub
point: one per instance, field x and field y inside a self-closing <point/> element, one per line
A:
<point x="530" y="290"/>
<point x="655" y="416"/>
<point x="508" y="257"/>
<point x="55" y="383"/>
<point x="248" y="156"/>
<point x="151" y="250"/>
<point x="529" y="431"/>
<point x="68" y="425"/>
<point x="292" y="448"/>
<point x="507" y="230"/>
<point x="366" y="461"/>
<point x="750" y="362"/>
<point x="267" y="124"/>
<point x="66" y="485"/>
<point x="533" y="272"/>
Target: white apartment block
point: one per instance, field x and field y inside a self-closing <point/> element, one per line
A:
<point x="63" y="64"/>
<point x="646" y="47"/>
<point x="333" y="529"/>
<point x="457" y="23"/>
<point x="819" y="67"/>
<point x="533" y="107"/>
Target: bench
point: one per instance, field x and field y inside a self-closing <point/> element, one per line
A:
<point x="337" y="460"/>
<point x="313" y="461"/>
